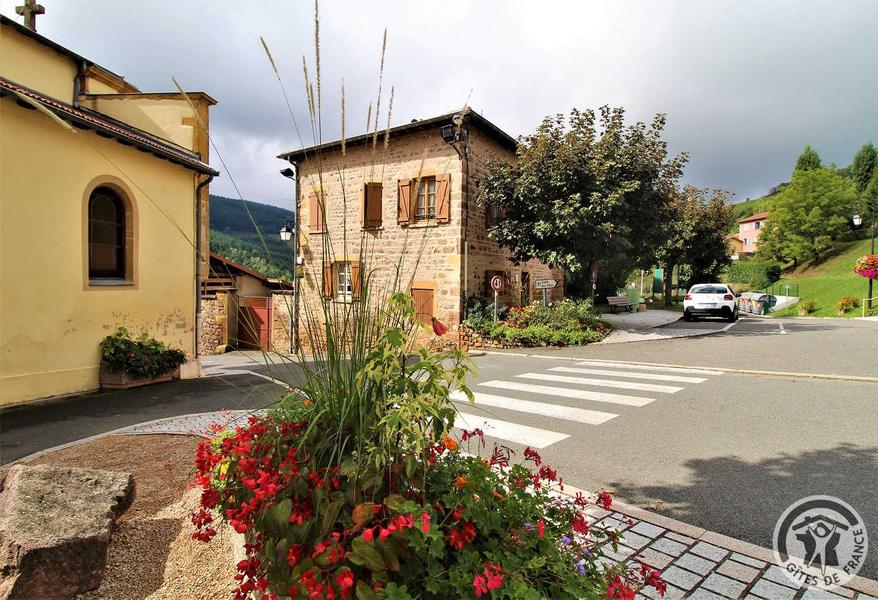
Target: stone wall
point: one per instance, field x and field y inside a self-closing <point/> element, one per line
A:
<point x="281" y="318"/>
<point x="214" y="323"/>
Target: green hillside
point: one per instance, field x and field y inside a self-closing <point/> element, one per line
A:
<point x="235" y="236"/>
<point x="832" y="279"/>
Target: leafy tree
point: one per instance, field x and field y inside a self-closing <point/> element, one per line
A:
<point x="863" y="167"/>
<point x="809" y="214"/>
<point x="808" y="160"/>
<point x="585" y="188"/>
<point x="696" y="237"/>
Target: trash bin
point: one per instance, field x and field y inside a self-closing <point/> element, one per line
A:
<point x="756" y="303"/>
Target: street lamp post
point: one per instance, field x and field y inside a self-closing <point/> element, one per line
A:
<point x="290" y="230"/>
<point x="858" y="220"/>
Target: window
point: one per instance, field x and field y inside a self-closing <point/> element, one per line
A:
<point x="372" y="210"/>
<point x="746" y="242"/>
<point x="758" y="225"/>
<point x="344" y="288"/>
<point x="341" y="281"/>
<point x="106" y="235"/>
<point x="425" y="204"/>
<point x="493" y="215"/>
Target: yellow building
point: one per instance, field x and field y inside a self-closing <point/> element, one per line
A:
<point x="103" y="212"/>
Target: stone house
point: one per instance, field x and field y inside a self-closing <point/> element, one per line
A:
<point x="406" y="195"/>
<point x="103" y="197"/>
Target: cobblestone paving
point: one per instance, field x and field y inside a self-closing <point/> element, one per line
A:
<point x="692" y="568"/>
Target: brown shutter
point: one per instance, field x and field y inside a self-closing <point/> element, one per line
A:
<point x="372" y="209"/>
<point x="443" y="198"/>
<point x="423" y="301"/>
<point x="328" y="281"/>
<point x="313" y="213"/>
<point x="355" y="280"/>
<point x="404" y="202"/>
<point x="489" y="216"/>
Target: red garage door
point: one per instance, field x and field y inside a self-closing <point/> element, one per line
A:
<point x="254" y="323"/>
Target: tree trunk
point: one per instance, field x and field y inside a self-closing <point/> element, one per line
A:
<point x="668" y="281"/>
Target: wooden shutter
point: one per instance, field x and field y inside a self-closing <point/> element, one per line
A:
<point x="443" y="198"/>
<point x="423" y="301"/>
<point x="328" y="281"/>
<point x="372" y="209"/>
<point x="404" y="202"/>
<point x="315" y="213"/>
<point x="489" y="216"/>
<point x="356" y="286"/>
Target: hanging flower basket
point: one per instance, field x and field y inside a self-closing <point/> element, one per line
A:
<point x="867" y="266"/>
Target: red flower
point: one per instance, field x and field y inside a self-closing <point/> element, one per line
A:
<point x="541" y="528"/>
<point x="605" y="500"/>
<point x="345" y="581"/>
<point x="462" y="536"/>
<point x="294" y="555"/>
<point x="425" y="522"/>
<point x="438" y="327"/>
<point x="619" y="590"/>
<point x="531" y="454"/>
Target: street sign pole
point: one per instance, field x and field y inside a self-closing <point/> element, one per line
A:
<point x="545" y="297"/>
<point x="495" y="305"/>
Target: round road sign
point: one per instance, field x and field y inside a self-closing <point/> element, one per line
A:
<point x="496" y="283"/>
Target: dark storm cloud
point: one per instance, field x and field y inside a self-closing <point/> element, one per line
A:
<point x="745" y="84"/>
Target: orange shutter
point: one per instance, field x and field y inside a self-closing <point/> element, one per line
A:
<point x="404" y="202"/>
<point x="423" y="301"/>
<point x="328" y="281"/>
<point x="372" y="209"/>
<point x="355" y="280"/>
<point x="443" y="198"/>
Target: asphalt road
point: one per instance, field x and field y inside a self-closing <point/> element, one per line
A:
<point x="831" y="346"/>
<point x="724" y="451"/>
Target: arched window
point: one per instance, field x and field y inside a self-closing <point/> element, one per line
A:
<point x="106" y="235"/>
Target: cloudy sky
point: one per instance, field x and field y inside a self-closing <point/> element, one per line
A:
<point x="745" y="83"/>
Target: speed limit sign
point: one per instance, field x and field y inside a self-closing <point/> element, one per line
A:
<point x="497" y="283"/>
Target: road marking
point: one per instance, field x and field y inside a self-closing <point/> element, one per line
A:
<point x="652" y="376"/>
<point x="648" y="367"/>
<point x="569" y="393"/>
<point x="610" y="383"/>
<point x="782" y="330"/>
<point x="558" y="411"/>
<point x="512" y="432"/>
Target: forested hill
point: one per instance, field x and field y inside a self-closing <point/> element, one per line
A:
<point x="235" y="236"/>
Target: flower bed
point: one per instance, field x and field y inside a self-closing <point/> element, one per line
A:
<point x="569" y="323"/>
<point x="126" y="362"/>
<point x="355" y="488"/>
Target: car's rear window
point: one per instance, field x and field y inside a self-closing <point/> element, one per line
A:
<point x="709" y="289"/>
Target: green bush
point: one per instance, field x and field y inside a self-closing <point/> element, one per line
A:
<point x="807" y="306"/>
<point x="846" y="304"/>
<point x="758" y="274"/>
<point x="143" y="357"/>
<point x="479" y="315"/>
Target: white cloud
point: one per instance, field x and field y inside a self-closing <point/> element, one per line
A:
<point x="746" y="84"/>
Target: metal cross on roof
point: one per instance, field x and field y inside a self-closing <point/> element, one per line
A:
<point x="29" y="11"/>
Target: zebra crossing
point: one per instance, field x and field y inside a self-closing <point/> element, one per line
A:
<point x="587" y="385"/>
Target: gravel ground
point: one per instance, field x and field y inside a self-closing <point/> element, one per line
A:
<point x="152" y="555"/>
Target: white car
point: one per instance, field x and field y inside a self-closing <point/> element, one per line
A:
<point x="710" y="300"/>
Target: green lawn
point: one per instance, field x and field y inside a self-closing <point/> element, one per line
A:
<point x="832" y="279"/>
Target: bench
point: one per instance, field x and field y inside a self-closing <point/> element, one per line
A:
<point x="617" y="301"/>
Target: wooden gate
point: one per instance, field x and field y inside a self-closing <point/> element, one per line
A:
<point x="254" y="323"/>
